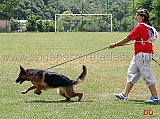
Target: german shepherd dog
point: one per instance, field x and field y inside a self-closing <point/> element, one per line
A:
<point x="42" y="80"/>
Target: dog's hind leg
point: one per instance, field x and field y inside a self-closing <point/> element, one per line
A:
<point x="80" y="95"/>
<point x="28" y="89"/>
<point x="71" y="93"/>
<point x="61" y="91"/>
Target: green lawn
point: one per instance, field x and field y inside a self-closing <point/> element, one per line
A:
<point x="107" y="75"/>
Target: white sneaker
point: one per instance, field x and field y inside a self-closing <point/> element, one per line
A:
<point x="120" y="96"/>
<point x="152" y="99"/>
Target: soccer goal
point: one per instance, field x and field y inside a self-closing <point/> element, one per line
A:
<point x="83" y="22"/>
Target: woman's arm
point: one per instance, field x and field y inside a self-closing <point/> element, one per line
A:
<point x="119" y="43"/>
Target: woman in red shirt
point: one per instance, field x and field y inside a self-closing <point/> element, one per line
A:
<point x="140" y="64"/>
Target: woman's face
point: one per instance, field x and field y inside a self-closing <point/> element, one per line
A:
<point x="138" y="18"/>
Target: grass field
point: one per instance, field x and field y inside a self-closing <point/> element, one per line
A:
<point x="107" y="75"/>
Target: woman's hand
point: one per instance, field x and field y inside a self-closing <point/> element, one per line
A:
<point x="112" y="45"/>
<point x="119" y="43"/>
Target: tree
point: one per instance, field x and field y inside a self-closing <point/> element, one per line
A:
<point x="46" y="26"/>
<point x="40" y="25"/>
<point x="31" y="23"/>
<point x="146" y="4"/>
<point x="7" y="8"/>
<point x="156" y="13"/>
<point x="14" y="25"/>
<point x="51" y="26"/>
<point x="123" y="11"/>
<point x="153" y="7"/>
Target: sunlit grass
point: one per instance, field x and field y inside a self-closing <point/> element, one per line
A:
<point x="107" y="75"/>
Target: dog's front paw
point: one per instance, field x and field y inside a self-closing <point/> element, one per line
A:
<point x="23" y="92"/>
<point x="38" y="93"/>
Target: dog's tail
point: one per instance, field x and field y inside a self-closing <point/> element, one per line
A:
<point x="83" y="75"/>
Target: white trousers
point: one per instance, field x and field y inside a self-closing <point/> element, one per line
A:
<point x="140" y="66"/>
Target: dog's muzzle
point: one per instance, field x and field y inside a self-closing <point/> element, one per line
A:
<point x="20" y="80"/>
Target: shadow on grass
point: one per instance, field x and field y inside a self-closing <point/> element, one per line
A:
<point x="143" y="102"/>
<point x="54" y="101"/>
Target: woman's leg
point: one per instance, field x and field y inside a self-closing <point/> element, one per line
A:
<point x="133" y="77"/>
<point x="127" y="89"/>
<point x="147" y="75"/>
<point x="153" y="91"/>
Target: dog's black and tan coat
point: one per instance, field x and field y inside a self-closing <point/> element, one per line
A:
<point x="42" y="80"/>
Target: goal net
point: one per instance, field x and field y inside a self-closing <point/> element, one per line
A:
<point x="83" y="22"/>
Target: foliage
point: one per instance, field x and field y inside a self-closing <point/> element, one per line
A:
<point x="31" y="23"/>
<point x="7" y="8"/>
<point x="40" y="25"/>
<point x="153" y="7"/>
<point x="14" y="25"/>
<point x="156" y="13"/>
<point x="46" y="9"/>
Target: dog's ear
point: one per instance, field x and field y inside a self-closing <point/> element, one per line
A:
<point x="23" y="71"/>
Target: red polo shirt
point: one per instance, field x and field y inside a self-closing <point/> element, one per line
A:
<point x="140" y="35"/>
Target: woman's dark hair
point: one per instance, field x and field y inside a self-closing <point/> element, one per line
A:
<point x="144" y="13"/>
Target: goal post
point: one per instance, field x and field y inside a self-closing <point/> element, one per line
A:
<point x="76" y="19"/>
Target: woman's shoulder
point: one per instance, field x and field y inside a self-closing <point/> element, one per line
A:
<point x="140" y="26"/>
